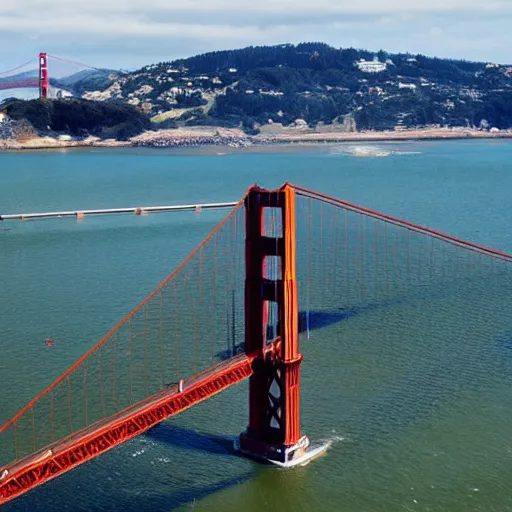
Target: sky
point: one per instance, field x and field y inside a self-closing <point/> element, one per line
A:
<point x="128" y="34"/>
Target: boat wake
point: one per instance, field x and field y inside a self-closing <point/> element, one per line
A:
<point x="329" y="441"/>
<point x="370" y="151"/>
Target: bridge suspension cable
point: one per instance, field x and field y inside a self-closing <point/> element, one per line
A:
<point x="14" y="71"/>
<point x="72" y="62"/>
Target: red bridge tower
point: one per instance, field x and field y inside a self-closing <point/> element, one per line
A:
<point x="273" y="433"/>
<point x="44" y="80"/>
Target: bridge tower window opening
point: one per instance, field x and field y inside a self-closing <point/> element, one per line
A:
<point x="272" y="273"/>
<point x="272" y="223"/>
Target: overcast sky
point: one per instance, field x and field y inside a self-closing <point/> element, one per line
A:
<point x="131" y="33"/>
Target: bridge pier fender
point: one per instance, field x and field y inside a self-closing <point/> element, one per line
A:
<point x="273" y="433"/>
<point x="283" y="456"/>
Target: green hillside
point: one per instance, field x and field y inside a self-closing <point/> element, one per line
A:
<point x="319" y="83"/>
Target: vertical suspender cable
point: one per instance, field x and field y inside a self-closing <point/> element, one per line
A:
<point x="310" y="279"/>
<point x="145" y="334"/>
<point x="177" y="331"/>
<point x="100" y="378"/>
<point x="161" y="339"/>
<point x="130" y="358"/>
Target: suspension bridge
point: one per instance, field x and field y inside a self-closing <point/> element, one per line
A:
<point x="35" y="74"/>
<point x="281" y="265"/>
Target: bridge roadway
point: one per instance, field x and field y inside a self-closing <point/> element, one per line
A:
<point x="19" y="84"/>
<point x="137" y="210"/>
<point x="55" y="459"/>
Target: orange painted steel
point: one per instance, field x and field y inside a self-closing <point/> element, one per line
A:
<point x="274" y="422"/>
<point x="55" y="460"/>
<point x="289" y="316"/>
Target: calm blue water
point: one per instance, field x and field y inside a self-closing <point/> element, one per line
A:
<point x="73" y="281"/>
<point x="25" y="94"/>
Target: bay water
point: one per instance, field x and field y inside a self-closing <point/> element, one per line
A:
<point x="72" y="281"/>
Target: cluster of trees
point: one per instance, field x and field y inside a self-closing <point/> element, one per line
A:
<point x="284" y="109"/>
<point x="413" y="110"/>
<point x="326" y="65"/>
<point x="301" y="56"/>
<point x="80" y="117"/>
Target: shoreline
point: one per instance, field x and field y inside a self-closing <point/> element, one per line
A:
<point x="234" y="138"/>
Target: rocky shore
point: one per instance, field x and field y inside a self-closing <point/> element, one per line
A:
<point x="235" y="138"/>
<point x="195" y="141"/>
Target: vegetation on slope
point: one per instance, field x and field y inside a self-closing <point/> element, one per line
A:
<point x="79" y="117"/>
<point x="86" y="80"/>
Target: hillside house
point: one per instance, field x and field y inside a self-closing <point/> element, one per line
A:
<point x="371" y="66"/>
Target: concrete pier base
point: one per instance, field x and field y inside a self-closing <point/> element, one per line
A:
<point x="299" y="454"/>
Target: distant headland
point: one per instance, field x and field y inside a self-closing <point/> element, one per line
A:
<point x="309" y="92"/>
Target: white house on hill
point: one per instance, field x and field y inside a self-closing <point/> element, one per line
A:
<point x="371" y="66"/>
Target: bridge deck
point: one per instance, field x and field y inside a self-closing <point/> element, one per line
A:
<point x="23" y="475"/>
<point x="19" y="84"/>
<point x="109" y="211"/>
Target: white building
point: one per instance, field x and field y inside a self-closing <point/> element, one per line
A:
<point x="59" y="93"/>
<point x="401" y="85"/>
<point x="371" y="66"/>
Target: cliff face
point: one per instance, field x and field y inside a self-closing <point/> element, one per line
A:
<point x="20" y="130"/>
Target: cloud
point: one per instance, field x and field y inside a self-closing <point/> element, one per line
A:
<point x="57" y="14"/>
<point x="269" y="6"/>
<point x="125" y="26"/>
<point x="84" y="28"/>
